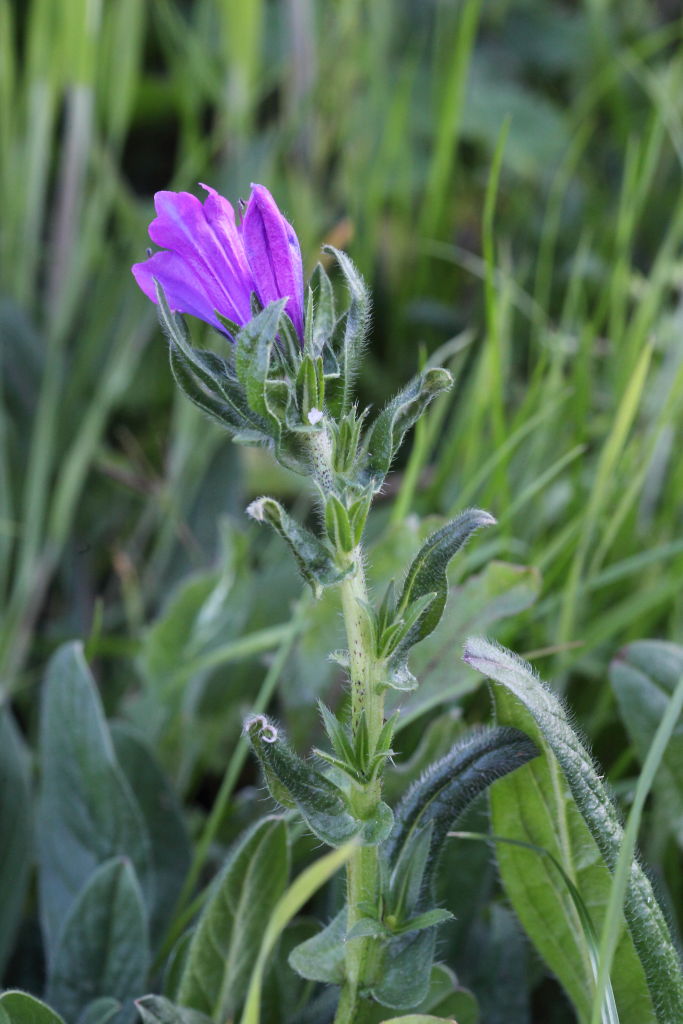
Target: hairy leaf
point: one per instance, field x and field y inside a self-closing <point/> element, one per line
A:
<point x="313" y="558"/>
<point x="158" y="1010"/>
<point x="160" y="807"/>
<point x="225" y="943"/>
<point x="16" y="819"/>
<point x="292" y="781"/>
<point x="643" y="677"/>
<point x="103" y="950"/>
<point x="87" y="813"/>
<point x="646" y="922"/>
<point x="386" y="434"/>
<point x="22" y="1008"/>
<point x="355" y="329"/>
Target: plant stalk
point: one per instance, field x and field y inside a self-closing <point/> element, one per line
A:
<point x="362" y="871"/>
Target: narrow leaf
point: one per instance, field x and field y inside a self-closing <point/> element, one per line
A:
<point x="227" y="937"/>
<point x="16" y="818"/>
<point x="298" y="894"/>
<point x="314" y="560"/>
<point x="87" y="813"/>
<point x="103" y="949"/>
<point x="355" y="328"/>
<point x="644" y="916"/>
<point x="158" y="1010"/>
<point x="22" y="1008"/>
<point x="386" y="434"/>
<point x="320" y="802"/>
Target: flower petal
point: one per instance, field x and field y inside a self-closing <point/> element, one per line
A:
<point x="272" y="250"/>
<point x="183" y="290"/>
<point x="212" y="252"/>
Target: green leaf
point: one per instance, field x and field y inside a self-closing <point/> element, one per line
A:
<point x="158" y="1010"/>
<point x="100" y="1011"/>
<point x="386" y="434"/>
<point x="643" y="677"/>
<point x="290" y="779"/>
<point x="22" y="1008"/>
<point x="355" y="329"/>
<point x="322" y="957"/>
<point x="427" y="573"/>
<point x="87" y="813"/>
<point x="589" y="804"/>
<point x="497" y="593"/>
<point x="161" y="810"/>
<point x="449" y="786"/>
<point x="313" y="558"/>
<point x="406" y="970"/>
<point x="320" y="326"/>
<point x="227" y="937"/>
<point x="298" y="894"/>
<point x="338" y="525"/>
<point x="207" y="379"/>
<point x="418" y="1018"/>
<point x="16" y="818"/>
<point x="103" y="949"/>
<point x="253" y="348"/>
<point x="445" y="1000"/>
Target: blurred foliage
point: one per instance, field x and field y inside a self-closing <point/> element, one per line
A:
<point x="508" y="178"/>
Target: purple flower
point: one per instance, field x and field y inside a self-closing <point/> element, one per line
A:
<point x="210" y="263"/>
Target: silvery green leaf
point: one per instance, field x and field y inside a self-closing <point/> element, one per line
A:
<point x="158" y="1010"/>
<point x="253" y="349"/>
<point x="103" y="948"/>
<point x="227" y="937"/>
<point x="161" y="809"/>
<point x="16" y="818"/>
<point x="21" y="1008"/>
<point x="321" y="319"/>
<point x="321" y="958"/>
<point x="644" y="917"/>
<point x="87" y="813"/>
<point x="312" y="556"/>
<point x="386" y="434"/>
<point x="449" y="786"/>
<point x="289" y="778"/>
<point x="355" y="327"/>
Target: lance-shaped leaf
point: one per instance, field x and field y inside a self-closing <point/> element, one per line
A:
<point x="355" y="326"/>
<point x="158" y="1010"/>
<point x="320" y="313"/>
<point x="253" y="351"/>
<point x="228" y="934"/>
<point x="103" y="949"/>
<point x="208" y="380"/>
<point x="312" y="556"/>
<point x="425" y="592"/>
<point x="87" y="813"/>
<point x="386" y="434"/>
<point x="644" y="675"/>
<point x="449" y="785"/>
<point x="422" y="820"/>
<point x="16" y="817"/>
<point x="21" y="1008"/>
<point x="294" y="782"/>
<point x="644" y="917"/>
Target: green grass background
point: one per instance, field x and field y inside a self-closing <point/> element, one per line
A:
<point x="507" y="175"/>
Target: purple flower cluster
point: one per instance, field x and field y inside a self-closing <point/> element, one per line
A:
<point x="211" y="263"/>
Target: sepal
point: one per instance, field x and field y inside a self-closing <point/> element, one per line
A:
<point x="386" y="434"/>
<point x="315" y="561"/>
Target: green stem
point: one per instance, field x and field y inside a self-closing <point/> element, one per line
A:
<point x="362" y="872"/>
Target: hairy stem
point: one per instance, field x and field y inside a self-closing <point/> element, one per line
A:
<point x="362" y="872"/>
